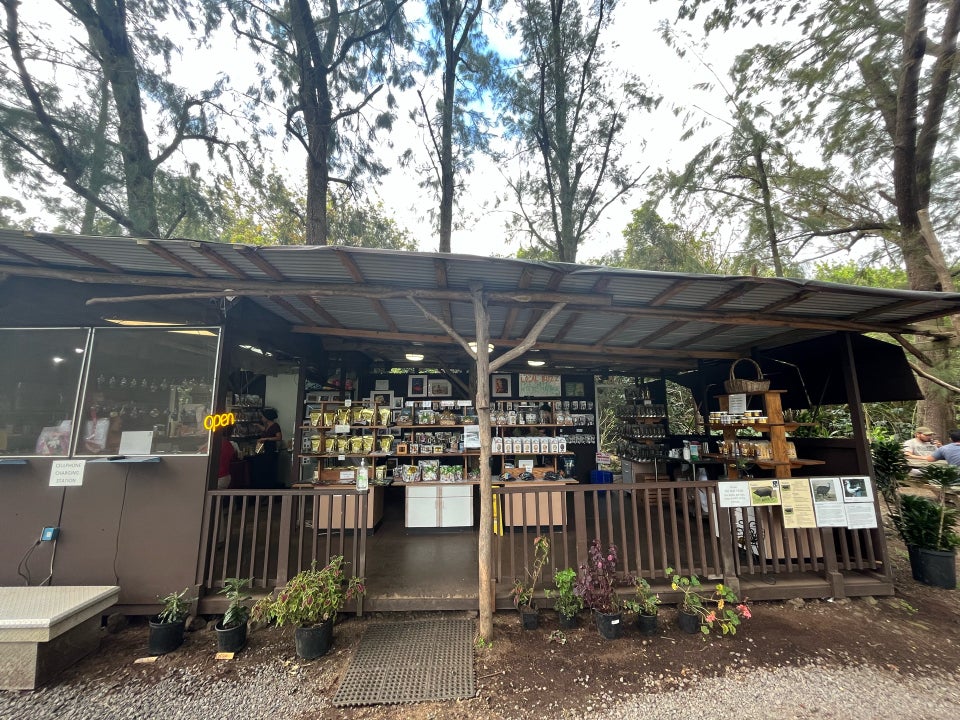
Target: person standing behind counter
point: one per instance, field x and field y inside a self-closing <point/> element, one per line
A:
<point x="268" y="448"/>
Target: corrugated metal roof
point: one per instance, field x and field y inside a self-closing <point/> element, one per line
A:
<point x="613" y="319"/>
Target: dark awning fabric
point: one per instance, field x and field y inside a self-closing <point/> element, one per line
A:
<point x="811" y="372"/>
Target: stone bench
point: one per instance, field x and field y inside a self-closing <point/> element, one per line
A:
<point x="44" y="630"/>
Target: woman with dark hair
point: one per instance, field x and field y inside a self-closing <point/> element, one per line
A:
<point x="271" y="436"/>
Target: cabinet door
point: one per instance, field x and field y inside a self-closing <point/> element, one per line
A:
<point x="456" y="506"/>
<point x="422" y="507"/>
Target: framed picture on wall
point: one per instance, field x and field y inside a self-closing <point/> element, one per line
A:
<point x="417" y="386"/>
<point x="439" y="388"/>
<point x="382" y="399"/>
<point x="500" y="386"/>
<point x="397" y="402"/>
<point x="574" y="389"/>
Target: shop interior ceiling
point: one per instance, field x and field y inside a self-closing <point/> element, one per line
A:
<point x="376" y="303"/>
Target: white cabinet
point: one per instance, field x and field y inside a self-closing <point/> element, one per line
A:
<point x="439" y="505"/>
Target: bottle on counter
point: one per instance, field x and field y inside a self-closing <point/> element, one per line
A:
<point x="362" y="479"/>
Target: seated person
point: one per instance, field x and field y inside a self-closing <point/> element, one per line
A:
<point x="918" y="448"/>
<point x="949" y="452"/>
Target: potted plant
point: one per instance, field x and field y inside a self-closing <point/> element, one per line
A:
<point x="703" y="612"/>
<point x="644" y="605"/>
<point x="166" y="629"/>
<point x="567" y="604"/>
<point x="310" y="601"/>
<point x="931" y="525"/>
<point x="596" y="586"/>
<point x="232" y="628"/>
<point x="524" y="589"/>
<point x="925" y="526"/>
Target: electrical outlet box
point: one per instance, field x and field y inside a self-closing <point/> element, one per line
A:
<point x="49" y="533"/>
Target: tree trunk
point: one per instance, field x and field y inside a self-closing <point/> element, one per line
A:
<point x="485" y="543"/>
<point x="451" y="60"/>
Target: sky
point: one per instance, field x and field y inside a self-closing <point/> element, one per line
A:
<point x="633" y="42"/>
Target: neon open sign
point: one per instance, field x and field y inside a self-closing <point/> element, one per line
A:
<point x="212" y="422"/>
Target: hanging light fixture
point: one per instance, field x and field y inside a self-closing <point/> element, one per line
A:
<point x="414" y="357"/>
<point x="536" y="363"/>
<point x="473" y="346"/>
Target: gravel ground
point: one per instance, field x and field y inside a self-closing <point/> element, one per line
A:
<point x="283" y="690"/>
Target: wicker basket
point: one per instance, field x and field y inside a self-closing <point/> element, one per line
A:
<point x="739" y="385"/>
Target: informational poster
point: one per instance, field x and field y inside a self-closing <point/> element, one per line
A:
<point x="471" y="437"/>
<point x="856" y="489"/>
<point x="828" y="502"/>
<point x="860" y="515"/>
<point x="734" y="493"/>
<point x="796" y="498"/>
<point x="858" y="501"/>
<point x="136" y="442"/>
<point x="764" y="492"/>
<point x="737" y="403"/>
<point x="535" y="385"/>
<point x="67" y="473"/>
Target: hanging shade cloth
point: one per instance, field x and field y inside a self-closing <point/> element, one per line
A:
<point x="811" y="372"/>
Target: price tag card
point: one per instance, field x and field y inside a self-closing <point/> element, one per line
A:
<point x="738" y="403"/>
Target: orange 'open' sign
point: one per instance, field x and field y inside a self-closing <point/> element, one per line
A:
<point x="212" y="422"/>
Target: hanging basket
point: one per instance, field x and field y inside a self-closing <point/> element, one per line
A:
<point x="739" y="385"/>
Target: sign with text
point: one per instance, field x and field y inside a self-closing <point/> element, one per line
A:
<point x="67" y="473"/>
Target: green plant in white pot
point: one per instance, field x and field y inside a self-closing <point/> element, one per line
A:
<point x="310" y="601"/>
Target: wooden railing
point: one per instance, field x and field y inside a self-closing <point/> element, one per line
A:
<point x="270" y="536"/>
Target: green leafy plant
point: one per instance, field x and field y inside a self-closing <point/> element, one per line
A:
<point x="176" y="607"/>
<point x="943" y="477"/>
<point x="524" y="589"/>
<point x="645" y="601"/>
<point x="311" y="596"/>
<point x="718" y="610"/>
<point x="567" y="602"/>
<point x="890" y="468"/>
<point x="238" y="612"/>
<point x="596" y="579"/>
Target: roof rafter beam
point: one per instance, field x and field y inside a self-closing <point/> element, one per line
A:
<point x="440" y="272"/>
<point x="351" y="267"/>
<point x="598" y="287"/>
<point x="162" y="252"/>
<point x="254" y="257"/>
<point x="526" y="277"/>
<point x="213" y="256"/>
<point x="78" y="253"/>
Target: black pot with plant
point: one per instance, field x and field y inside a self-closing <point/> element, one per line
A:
<point x="166" y="629"/>
<point x="927" y="527"/>
<point x="523" y="589"/>
<point x="644" y="605"/>
<point x="232" y="628"/>
<point x="596" y="585"/>
<point x="567" y="603"/>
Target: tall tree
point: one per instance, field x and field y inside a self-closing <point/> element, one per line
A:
<point x="457" y="48"/>
<point x="876" y="81"/>
<point x="567" y="107"/>
<point x="331" y="58"/>
<point x="74" y="96"/>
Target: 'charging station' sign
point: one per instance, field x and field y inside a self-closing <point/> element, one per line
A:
<point x="67" y="473"/>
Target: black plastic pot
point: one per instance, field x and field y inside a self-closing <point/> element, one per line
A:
<point x="529" y="618"/>
<point x="647" y="624"/>
<point x="938" y="568"/>
<point x="688" y="622"/>
<point x="916" y="568"/>
<point x="314" y="641"/>
<point x="165" y="636"/>
<point x="610" y="625"/>
<point x="567" y="622"/>
<point x="231" y="639"/>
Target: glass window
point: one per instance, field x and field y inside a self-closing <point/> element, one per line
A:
<point x="40" y="371"/>
<point x="148" y="390"/>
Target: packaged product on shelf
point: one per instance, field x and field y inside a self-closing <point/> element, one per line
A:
<point x="429" y="470"/>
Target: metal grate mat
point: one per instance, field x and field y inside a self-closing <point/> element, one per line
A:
<point x="409" y="662"/>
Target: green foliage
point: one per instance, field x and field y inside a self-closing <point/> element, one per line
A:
<point x="567" y="602"/>
<point x="645" y="601"/>
<point x="176" y="606"/>
<point x="889" y="466"/>
<point x="567" y="108"/>
<point x="718" y="610"/>
<point x="238" y="612"/>
<point x="311" y="596"/>
<point x="852" y="272"/>
<point x="524" y="588"/>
